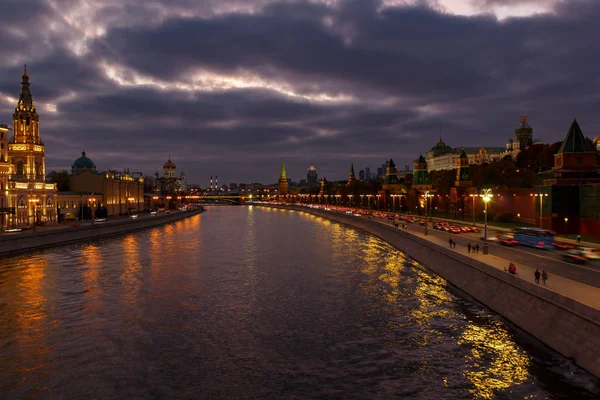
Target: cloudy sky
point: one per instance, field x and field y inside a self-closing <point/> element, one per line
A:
<point x="236" y="87"/>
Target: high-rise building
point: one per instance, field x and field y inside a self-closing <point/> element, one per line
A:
<point x="312" y="178"/>
<point x="361" y="175"/>
<point x="368" y="176"/>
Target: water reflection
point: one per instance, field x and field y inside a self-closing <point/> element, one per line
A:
<point x="254" y="303"/>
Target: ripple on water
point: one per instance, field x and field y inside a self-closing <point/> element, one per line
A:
<point x="257" y="303"/>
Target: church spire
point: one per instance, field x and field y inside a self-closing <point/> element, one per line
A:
<point x="25" y="117"/>
<point x="282" y="189"/>
<point x="282" y="172"/>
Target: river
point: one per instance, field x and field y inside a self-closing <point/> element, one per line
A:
<point x="248" y="302"/>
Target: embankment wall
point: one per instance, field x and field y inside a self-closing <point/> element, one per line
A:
<point x="565" y="325"/>
<point x="31" y="241"/>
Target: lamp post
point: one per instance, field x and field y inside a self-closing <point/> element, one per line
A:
<point x="394" y="202"/>
<point x="33" y="201"/>
<point x="473" y="209"/>
<point x="130" y="201"/>
<point x="566" y="230"/>
<point x="378" y="196"/>
<point x="487" y="196"/>
<point x="369" y="200"/>
<point x="361" y="200"/>
<point x="350" y="199"/>
<point x="541" y="208"/>
<point x="93" y="204"/>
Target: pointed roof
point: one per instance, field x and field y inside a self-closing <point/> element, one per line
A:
<point x="282" y="172"/>
<point x="392" y="165"/>
<point x="575" y="142"/>
<point x="421" y="159"/>
<point x="462" y="153"/>
<point x="25" y="100"/>
<point x="351" y="169"/>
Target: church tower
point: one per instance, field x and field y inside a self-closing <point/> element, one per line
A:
<point x="283" y="183"/>
<point x="33" y="198"/>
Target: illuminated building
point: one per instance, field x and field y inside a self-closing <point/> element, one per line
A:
<point x="169" y="182"/>
<point x="420" y="180"/>
<point x="282" y="189"/>
<point x="122" y="192"/>
<point x="597" y="142"/>
<point x="351" y="177"/>
<point x="312" y="178"/>
<point x="26" y="198"/>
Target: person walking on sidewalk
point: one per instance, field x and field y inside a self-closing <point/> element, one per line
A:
<point x="512" y="269"/>
<point x="454" y="243"/>
<point x="537" y="276"/>
<point x="477" y="248"/>
<point x="469" y="247"/>
<point x="450" y="242"/>
<point x="544" y="276"/>
<point x="578" y="239"/>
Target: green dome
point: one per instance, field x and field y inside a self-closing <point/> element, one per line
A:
<point x="83" y="162"/>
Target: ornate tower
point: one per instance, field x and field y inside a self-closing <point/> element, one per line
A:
<point x="169" y="169"/>
<point x="323" y="187"/>
<point x="283" y="183"/>
<point x="33" y="198"/>
<point x="351" y="177"/>
<point x="420" y="179"/>
<point x="391" y="176"/>
<point x="463" y="172"/>
<point x="597" y="142"/>
<point x="524" y="133"/>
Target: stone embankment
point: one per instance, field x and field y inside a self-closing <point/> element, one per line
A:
<point x="565" y="325"/>
<point x="30" y="241"/>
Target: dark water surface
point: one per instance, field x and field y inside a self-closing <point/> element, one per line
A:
<point x="241" y="303"/>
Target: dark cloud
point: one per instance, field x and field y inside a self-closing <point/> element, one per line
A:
<point x="234" y="88"/>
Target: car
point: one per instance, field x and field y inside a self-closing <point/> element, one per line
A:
<point x="153" y="212"/>
<point x="134" y="216"/>
<point x="100" y="220"/>
<point x="168" y="211"/>
<point x="573" y="256"/>
<point x="507" y="240"/>
<point x="588" y="253"/>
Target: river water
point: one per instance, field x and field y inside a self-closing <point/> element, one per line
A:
<point x="243" y="303"/>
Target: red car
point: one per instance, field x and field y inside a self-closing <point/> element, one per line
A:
<point x="563" y="246"/>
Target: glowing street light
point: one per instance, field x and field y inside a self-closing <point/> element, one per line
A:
<point x="566" y="221"/>
<point x="487" y="196"/>
<point x="378" y="196"/>
<point x="361" y="200"/>
<point x="369" y="200"/>
<point x="350" y="199"/>
<point x="34" y="201"/>
<point x="542" y="195"/>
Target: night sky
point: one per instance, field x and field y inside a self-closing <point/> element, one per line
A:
<point x="236" y="87"/>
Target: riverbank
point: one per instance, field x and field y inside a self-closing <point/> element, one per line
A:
<point x="569" y="327"/>
<point x="31" y="241"/>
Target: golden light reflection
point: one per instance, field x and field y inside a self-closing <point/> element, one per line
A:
<point x="91" y="257"/>
<point x="132" y="267"/>
<point x="31" y="313"/>
<point x="496" y="362"/>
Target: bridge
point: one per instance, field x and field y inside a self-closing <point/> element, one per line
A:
<point x="235" y="200"/>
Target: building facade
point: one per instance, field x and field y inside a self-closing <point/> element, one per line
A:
<point x="312" y="179"/>
<point x="26" y="198"/>
<point x="170" y="182"/>
<point x="282" y="185"/>
<point x="122" y="192"/>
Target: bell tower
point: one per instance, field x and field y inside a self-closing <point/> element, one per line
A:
<point x="26" y="149"/>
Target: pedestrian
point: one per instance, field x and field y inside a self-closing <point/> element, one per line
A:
<point x="469" y="247"/>
<point x="578" y="239"/>
<point x="544" y="276"/>
<point x="454" y="243"/>
<point x="477" y="248"/>
<point x="537" y="276"/>
<point x="512" y="269"/>
<point x="450" y="242"/>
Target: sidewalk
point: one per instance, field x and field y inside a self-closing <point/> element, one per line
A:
<point x="586" y="294"/>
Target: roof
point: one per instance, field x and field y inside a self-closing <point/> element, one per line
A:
<point x="421" y="159"/>
<point x="597" y="139"/>
<point x="169" y="164"/>
<point x="392" y="165"/>
<point x="83" y="162"/>
<point x="441" y="147"/>
<point x="575" y="142"/>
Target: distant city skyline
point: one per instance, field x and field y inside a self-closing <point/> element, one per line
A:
<point x="233" y="88"/>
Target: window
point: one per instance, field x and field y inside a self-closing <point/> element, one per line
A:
<point x="20" y="169"/>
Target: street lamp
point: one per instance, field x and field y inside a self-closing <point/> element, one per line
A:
<point x="487" y="196"/>
<point x="566" y="221"/>
<point x="394" y="202"/>
<point x="350" y="199"/>
<point x="369" y="200"/>
<point x="361" y="200"/>
<point x="131" y="200"/>
<point x="93" y="206"/>
<point x="34" y="201"/>
<point x="378" y="196"/>
<point x="541" y="208"/>
<point x="473" y="209"/>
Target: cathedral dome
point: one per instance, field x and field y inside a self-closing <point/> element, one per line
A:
<point x="83" y="162"/>
<point x="597" y="139"/>
<point x="441" y="147"/>
<point x="169" y="164"/>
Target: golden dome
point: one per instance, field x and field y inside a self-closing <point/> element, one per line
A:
<point x="597" y="139"/>
<point x="169" y="164"/>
